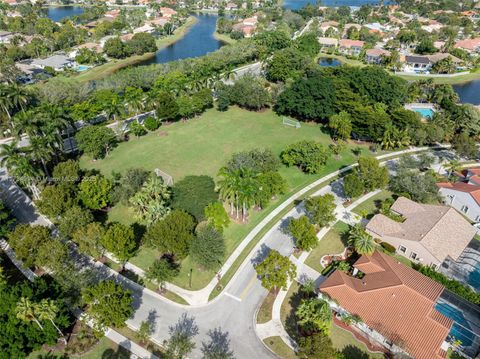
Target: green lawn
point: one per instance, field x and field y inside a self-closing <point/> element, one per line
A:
<point x="345" y="342"/>
<point x="331" y="243"/>
<point x="372" y="204"/>
<point x="265" y="312"/>
<point x="202" y="146"/>
<point x="277" y="345"/>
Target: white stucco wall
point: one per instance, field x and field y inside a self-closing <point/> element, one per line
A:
<point x="457" y="200"/>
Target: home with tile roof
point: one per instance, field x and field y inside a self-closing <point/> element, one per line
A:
<point x="396" y="305"/>
<point x="428" y="235"/>
<point x="350" y="47"/>
<point x="472" y="46"/>
<point x="464" y="195"/>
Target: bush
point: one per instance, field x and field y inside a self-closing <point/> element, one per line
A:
<point x="151" y="123"/>
<point x="388" y="247"/>
<point x="451" y="284"/>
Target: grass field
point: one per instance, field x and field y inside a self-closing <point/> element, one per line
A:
<point x="277" y="345"/>
<point x="202" y="146"/>
<point x="372" y="205"/>
<point x="331" y="243"/>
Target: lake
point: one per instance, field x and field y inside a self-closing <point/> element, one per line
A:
<point x="328" y="62"/>
<point x="298" y="4"/>
<point x="57" y="13"/>
<point x="469" y="92"/>
<point x="198" y="41"/>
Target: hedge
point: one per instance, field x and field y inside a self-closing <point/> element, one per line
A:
<point x="451" y="284"/>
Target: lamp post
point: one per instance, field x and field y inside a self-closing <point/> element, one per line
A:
<point x="190" y="275"/>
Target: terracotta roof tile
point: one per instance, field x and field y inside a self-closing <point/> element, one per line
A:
<point x="397" y="302"/>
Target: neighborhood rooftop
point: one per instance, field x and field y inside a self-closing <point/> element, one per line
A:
<point x="394" y="300"/>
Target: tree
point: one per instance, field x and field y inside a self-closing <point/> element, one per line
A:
<point x="119" y="239"/>
<point x="303" y="232"/>
<point x="129" y="184"/>
<point x="73" y="219"/>
<point x="137" y="129"/>
<point x="67" y="172"/>
<point x="314" y="315"/>
<point x="309" y="156"/>
<point x="419" y="187"/>
<point x="341" y="125"/>
<point x="248" y="92"/>
<point x="167" y="108"/>
<point x="372" y="175"/>
<point x="144" y="332"/>
<point x="96" y="141"/>
<point x="275" y="271"/>
<point x="193" y="194"/>
<point x="48" y="310"/>
<point x="270" y="184"/>
<point x="216" y="215"/>
<point x="109" y="305"/>
<point x="360" y="240"/>
<point x="465" y="145"/>
<point x="285" y="64"/>
<point x="53" y="255"/>
<point x="26" y="241"/>
<point x="26" y="311"/>
<point x="115" y="48"/>
<point x="316" y="346"/>
<point x="55" y="200"/>
<point x="161" y="271"/>
<point x="151" y="202"/>
<point x="89" y="239"/>
<point x="181" y="343"/>
<point x="218" y="347"/>
<point x="467" y="119"/>
<point x="308" y="44"/>
<point x="173" y="234"/>
<point x="6" y="220"/>
<point x="353" y="185"/>
<point x="425" y="47"/>
<point x="321" y="209"/>
<point x="94" y="191"/>
<point x="142" y="43"/>
<point x="208" y="247"/>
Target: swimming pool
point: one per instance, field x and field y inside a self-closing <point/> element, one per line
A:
<point x="461" y="329"/>
<point x="81" y="68"/>
<point x="424" y="112"/>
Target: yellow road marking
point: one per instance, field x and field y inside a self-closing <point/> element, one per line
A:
<point x="248" y="287"/>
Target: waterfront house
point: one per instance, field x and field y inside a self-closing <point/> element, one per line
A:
<point x="396" y="305"/>
<point x="56" y="62"/>
<point x="428" y="233"/>
<point x="375" y="56"/>
<point x="424" y="63"/>
<point x="327" y="42"/>
<point x="350" y="47"/>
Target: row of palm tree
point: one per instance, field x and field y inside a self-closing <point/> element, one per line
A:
<point x="45" y="310"/>
<point x="239" y="188"/>
<point x="12" y="97"/>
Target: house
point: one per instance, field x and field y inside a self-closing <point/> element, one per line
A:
<point x="327" y="42"/>
<point x="428" y="235"/>
<point x="375" y="56"/>
<point x="167" y="12"/>
<point x="159" y="21"/>
<point x="424" y="63"/>
<point x="147" y="28"/>
<point x="464" y="195"/>
<point x="396" y="304"/>
<point x="324" y="26"/>
<point x="89" y="45"/>
<point x="5" y="37"/>
<point x="57" y="62"/>
<point x="431" y="26"/>
<point x="472" y="46"/>
<point x="231" y="6"/>
<point x="113" y="14"/>
<point x="247" y="26"/>
<point x="350" y="47"/>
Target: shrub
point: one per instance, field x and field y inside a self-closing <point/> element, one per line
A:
<point x="451" y="284"/>
<point x="151" y="123"/>
<point x="388" y="247"/>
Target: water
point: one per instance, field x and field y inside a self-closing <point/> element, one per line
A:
<point x="298" y="4"/>
<point x="58" y="13"/>
<point x="328" y="62"/>
<point x="424" y="112"/>
<point x="461" y="329"/>
<point x="198" y="41"/>
<point x="469" y="92"/>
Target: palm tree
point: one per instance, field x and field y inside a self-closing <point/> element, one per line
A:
<point x="247" y="190"/>
<point x="360" y="240"/>
<point x="114" y="108"/>
<point x="134" y="99"/>
<point x="12" y="97"/>
<point x="48" y="310"/>
<point x="228" y="187"/>
<point x="40" y="151"/>
<point x="314" y="315"/>
<point x="452" y="167"/>
<point x="10" y="154"/>
<point x="25" y="311"/>
<point x="26" y="122"/>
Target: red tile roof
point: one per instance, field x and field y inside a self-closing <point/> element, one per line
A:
<point x="394" y="300"/>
